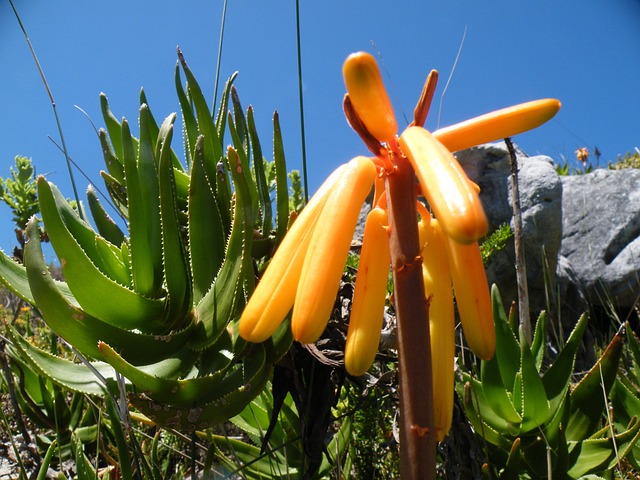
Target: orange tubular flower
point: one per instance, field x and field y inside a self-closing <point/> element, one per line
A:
<point x="328" y="250"/>
<point x="499" y="124"/>
<point x="367" y="309"/>
<point x="472" y="297"/>
<point x="437" y="289"/>
<point x="274" y="296"/>
<point x="447" y="188"/>
<point x="368" y="95"/>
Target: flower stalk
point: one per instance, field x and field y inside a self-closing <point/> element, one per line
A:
<point x="417" y="436"/>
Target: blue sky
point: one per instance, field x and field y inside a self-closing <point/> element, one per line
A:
<point x="584" y="52"/>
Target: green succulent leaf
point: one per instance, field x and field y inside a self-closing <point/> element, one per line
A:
<point x="535" y="406"/>
<point x="232" y="393"/>
<point x="74" y="376"/>
<point x="29" y="377"/>
<point x="634" y="347"/>
<point x="114" y="128"/>
<point x="111" y="160"/>
<point x="82" y="330"/>
<point x="144" y="210"/>
<point x="164" y="382"/>
<point x="258" y="465"/>
<point x="588" y="397"/>
<point x="89" y="284"/>
<point x="190" y="124"/>
<point x="625" y="400"/>
<point x="282" y="189"/>
<point x="538" y="342"/>
<point x="287" y="423"/>
<point x="112" y="264"/>
<point x="484" y="421"/>
<point x="264" y="194"/>
<point x="205" y="119"/>
<point x="219" y="305"/>
<point x="470" y="390"/>
<point x="255" y="420"/>
<point x="241" y="148"/>
<point x="517" y="392"/>
<point x="84" y="468"/>
<point x="206" y="127"/>
<point x="14" y="276"/>
<point x="176" y="264"/>
<point x="496" y="393"/>
<point x="554" y="428"/>
<point x="52" y="450"/>
<point x="207" y="240"/>
<point x="278" y="344"/>
<point x="124" y="457"/>
<point x="557" y="378"/>
<point x="339" y="446"/>
<point x="507" y="346"/>
<point x="117" y="192"/>
<point x="152" y="125"/>
<point x="240" y="123"/>
<point x="221" y="115"/>
<point x="601" y="454"/>
<point x="104" y="223"/>
<point x="182" y="180"/>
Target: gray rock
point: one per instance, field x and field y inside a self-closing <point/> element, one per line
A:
<point x="601" y="222"/>
<point x="541" y="203"/>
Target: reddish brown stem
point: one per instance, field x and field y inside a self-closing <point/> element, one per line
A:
<point x="417" y="434"/>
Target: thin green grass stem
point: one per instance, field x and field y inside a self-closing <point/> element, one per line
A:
<point x="301" y="101"/>
<point x="53" y="105"/>
<point x="219" y="59"/>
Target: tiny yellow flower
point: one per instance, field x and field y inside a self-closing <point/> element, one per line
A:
<point x="582" y="154"/>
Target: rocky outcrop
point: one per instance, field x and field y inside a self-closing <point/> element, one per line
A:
<point x="601" y="224"/>
<point x="582" y="232"/>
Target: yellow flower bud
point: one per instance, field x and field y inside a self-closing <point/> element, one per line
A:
<point x="450" y="194"/>
<point x="328" y="250"/>
<point x="368" y="95"/>
<point x="367" y="309"/>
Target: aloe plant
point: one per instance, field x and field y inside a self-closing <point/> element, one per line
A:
<point x="533" y="422"/>
<point x="157" y="302"/>
<point x="625" y="393"/>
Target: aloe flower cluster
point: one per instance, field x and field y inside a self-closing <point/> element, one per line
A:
<point x="304" y="275"/>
